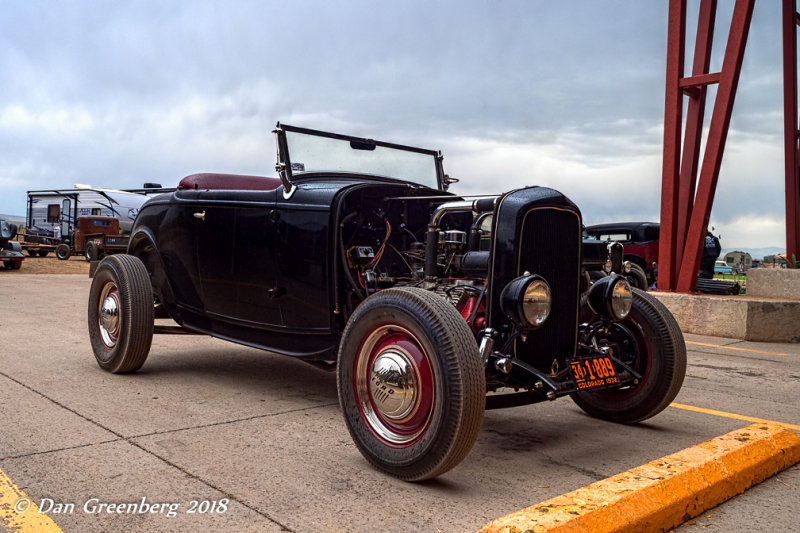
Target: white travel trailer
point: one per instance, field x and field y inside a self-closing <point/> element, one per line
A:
<point x="53" y="213"/>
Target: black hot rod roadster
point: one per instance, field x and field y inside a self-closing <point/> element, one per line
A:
<point x="430" y="306"/>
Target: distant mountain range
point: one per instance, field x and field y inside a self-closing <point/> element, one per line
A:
<point x="13" y="219"/>
<point x="756" y="253"/>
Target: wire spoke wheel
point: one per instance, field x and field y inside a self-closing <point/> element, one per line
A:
<point x="650" y="341"/>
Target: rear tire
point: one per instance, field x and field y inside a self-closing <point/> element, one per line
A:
<point x="650" y="341"/>
<point x="121" y="314"/>
<point x="43" y="253"/>
<point x="16" y="265"/>
<point x="63" y="252"/>
<point x="32" y="252"/>
<point x="91" y="252"/>
<point x="411" y="384"/>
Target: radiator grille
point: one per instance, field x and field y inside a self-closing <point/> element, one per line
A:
<point x="549" y="245"/>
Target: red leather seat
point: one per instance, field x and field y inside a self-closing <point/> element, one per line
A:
<point x="235" y="182"/>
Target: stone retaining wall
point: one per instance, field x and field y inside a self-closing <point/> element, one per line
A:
<point x="781" y="283"/>
<point x="739" y="317"/>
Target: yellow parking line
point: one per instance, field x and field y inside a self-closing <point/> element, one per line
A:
<point x="19" y="513"/>
<point x="738" y="349"/>
<point x="732" y="415"/>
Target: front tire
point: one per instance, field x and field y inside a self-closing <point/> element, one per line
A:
<point x="650" y="341"/>
<point x="411" y="384"/>
<point x="63" y="252"/>
<point x="121" y="314"/>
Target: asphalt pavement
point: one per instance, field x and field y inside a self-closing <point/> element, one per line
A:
<point x="227" y="438"/>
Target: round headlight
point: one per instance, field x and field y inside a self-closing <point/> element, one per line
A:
<point x="527" y="301"/>
<point x="621" y="298"/>
<point x="536" y="302"/>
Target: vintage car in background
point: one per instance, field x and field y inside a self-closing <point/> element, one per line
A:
<point x="10" y="251"/>
<point x="640" y="240"/>
<point x="430" y="306"/>
<point x="721" y="267"/>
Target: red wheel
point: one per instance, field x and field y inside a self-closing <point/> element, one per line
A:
<point x="393" y="381"/>
<point x="109" y="315"/>
<point x="411" y="383"/>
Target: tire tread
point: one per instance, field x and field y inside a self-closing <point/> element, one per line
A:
<point x="136" y="299"/>
<point x="459" y="358"/>
<point x="672" y="349"/>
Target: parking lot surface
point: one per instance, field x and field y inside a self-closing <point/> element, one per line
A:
<point x="260" y="437"/>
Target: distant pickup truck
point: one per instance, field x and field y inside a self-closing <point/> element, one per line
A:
<point x="95" y="237"/>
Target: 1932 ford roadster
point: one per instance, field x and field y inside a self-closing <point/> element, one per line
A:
<point x="430" y="306"/>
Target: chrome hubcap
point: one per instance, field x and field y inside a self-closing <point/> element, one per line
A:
<point x="393" y="385"/>
<point x="109" y="315"/>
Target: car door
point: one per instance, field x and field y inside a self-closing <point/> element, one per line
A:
<point x="254" y="256"/>
<point x="236" y="258"/>
<point x="215" y="228"/>
<point x="302" y="260"/>
<point x="177" y="246"/>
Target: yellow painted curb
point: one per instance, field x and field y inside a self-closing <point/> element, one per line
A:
<point x="667" y="492"/>
<point x="19" y="513"/>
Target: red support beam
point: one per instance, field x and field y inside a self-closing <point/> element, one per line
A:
<point x="673" y="110"/>
<point x="686" y="200"/>
<point x="715" y="145"/>
<point x="694" y="121"/>
<point x="790" y="21"/>
<point x="701" y="79"/>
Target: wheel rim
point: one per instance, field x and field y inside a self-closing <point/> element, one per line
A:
<point x="630" y="346"/>
<point x="109" y="314"/>
<point x="394" y="384"/>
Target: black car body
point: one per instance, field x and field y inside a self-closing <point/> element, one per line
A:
<point x="640" y="240"/>
<point x="431" y="306"/>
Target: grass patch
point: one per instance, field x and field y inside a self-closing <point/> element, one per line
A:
<point x="741" y="279"/>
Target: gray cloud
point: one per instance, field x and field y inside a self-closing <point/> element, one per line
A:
<point x="519" y="92"/>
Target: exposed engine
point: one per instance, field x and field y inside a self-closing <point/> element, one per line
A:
<point x="388" y="248"/>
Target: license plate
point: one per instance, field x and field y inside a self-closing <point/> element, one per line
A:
<point x="593" y="372"/>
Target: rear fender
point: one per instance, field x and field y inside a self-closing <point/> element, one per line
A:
<point x="142" y="245"/>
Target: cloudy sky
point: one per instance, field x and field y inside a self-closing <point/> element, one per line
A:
<point x="564" y="94"/>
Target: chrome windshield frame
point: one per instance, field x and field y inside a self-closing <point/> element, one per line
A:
<point x="284" y="164"/>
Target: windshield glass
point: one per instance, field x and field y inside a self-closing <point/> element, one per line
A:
<point x="316" y="153"/>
